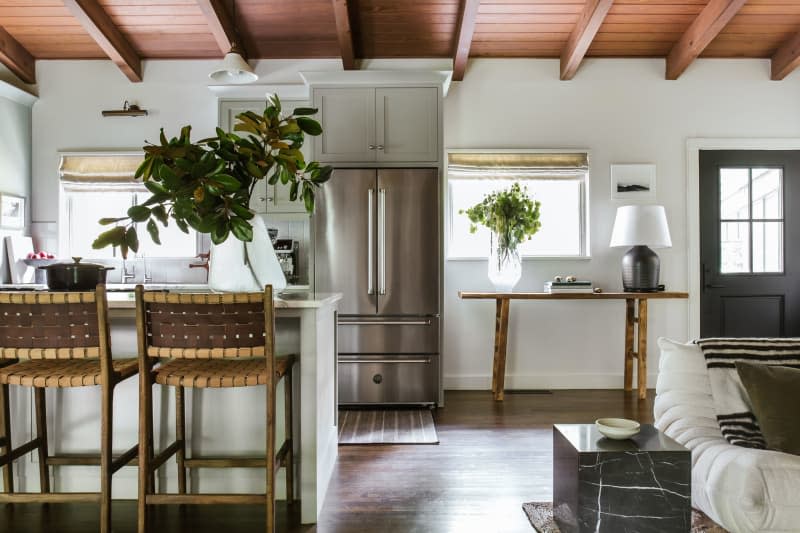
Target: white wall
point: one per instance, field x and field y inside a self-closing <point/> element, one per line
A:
<point x="623" y="111"/>
<point x="15" y="160"/>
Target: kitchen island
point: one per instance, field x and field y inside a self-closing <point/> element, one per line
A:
<point x="217" y="421"/>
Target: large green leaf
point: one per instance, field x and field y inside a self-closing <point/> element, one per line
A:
<point x="242" y="211"/>
<point x="113" y="237"/>
<point x="229" y="183"/>
<point x="241" y="229"/>
<point x="139" y="213"/>
<point x="299" y="111"/>
<point x="132" y="239"/>
<point x="309" y="126"/>
<point x="152" y="229"/>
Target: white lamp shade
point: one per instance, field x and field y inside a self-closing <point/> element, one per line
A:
<point x="637" y="225"/>
<point x="234" y="69"/>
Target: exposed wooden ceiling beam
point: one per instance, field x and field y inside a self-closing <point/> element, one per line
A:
<point x="786" y="59"/>
<point x="594" y="12"/>
<point x="466" y="29"/>
<point x="106" y="34"/>
<point x="704" y="29"/>
<point x="16" y="57"/>
<point x="221" y="24"/>
<point x="341" y="12"/>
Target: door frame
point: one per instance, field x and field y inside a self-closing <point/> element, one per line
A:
<point x="693" y="147"/>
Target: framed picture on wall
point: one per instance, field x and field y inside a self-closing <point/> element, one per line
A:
<point x="12" y="211"/>
<point x="633" y="182"/>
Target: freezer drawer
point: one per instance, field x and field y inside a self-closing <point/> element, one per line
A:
<point x="376" y="379"/>
<point x="383" y="335"/>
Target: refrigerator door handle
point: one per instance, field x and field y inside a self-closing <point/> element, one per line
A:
<point x="381" y="241"/>
<point x="370" y="240"/>
<point x="385" y="322"/>
<point x="422" y="360"/>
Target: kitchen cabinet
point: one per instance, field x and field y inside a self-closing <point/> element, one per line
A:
<point x="266" y="198"/>
<point x="378" y="125"/>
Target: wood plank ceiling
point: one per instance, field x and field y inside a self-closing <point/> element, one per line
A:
<point x="128" y="31"/>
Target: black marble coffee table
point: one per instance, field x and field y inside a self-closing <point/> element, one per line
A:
<point x="641" y="485"/>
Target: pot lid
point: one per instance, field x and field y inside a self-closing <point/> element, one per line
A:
<point x="75" y="265"/>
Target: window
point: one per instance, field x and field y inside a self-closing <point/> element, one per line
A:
<point x="751" y="220"/>
<point x="558" y="181"/>
<point x="97" y="186"/>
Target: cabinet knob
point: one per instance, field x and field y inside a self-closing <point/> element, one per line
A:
<point x="371" y="146"/>
<point x="379" y="147"/>
<point x="262" y="199"/>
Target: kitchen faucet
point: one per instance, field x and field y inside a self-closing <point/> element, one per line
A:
<point x="128" y="276"/>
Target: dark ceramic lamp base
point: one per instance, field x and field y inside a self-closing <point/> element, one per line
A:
<point x="640" y="270"/>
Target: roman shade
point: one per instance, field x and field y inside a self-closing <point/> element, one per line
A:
<point x="100" y="172"/>
<point x="519" y="165"/>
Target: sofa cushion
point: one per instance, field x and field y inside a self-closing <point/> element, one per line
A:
<point x="734" y="412"/>
<point x="774" y="393"/>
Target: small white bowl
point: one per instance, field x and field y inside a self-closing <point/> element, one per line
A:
<point x="617" y="428"/>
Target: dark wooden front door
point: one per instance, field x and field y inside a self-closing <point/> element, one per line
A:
<point x="750" y="243"/>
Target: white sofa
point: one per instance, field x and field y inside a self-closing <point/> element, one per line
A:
<point x="743" y="490"/>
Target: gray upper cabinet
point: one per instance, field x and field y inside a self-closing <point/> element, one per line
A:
<point x="368" y="125"/>
<point x="266" y="198"/>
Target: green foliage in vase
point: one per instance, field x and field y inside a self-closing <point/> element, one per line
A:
<point x="511" y="214"/>
<point x="207" y="185"/>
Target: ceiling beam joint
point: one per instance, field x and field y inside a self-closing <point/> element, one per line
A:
<point x="344" y="33"/>
<point x="14" y="56"/>
<point x="222" y="25"/>
<point x="105" y="33"/>
<point x="592" y="17"/>
<point x="786" y="58"/>
<point x="704" y="29"/>
<point x="466" y="29"/>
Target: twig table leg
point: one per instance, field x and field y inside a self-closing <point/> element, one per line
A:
<point x="630" y="320"/>
<point x="641" y="353"/>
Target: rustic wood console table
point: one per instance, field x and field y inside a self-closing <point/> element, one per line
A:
<point x="635" y="325"/>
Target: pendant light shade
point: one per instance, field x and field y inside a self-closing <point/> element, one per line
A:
<point x="234" y="69"/>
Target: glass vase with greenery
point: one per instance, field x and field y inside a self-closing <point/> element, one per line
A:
<point x="512" y="216"/>
<point x="207" y="185"/>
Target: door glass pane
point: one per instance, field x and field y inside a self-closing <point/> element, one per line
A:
<point x="734" y="247"/>
<point x="767" y="197"/>
<point x="767" y="246"/>
<point x="734" y="194"/>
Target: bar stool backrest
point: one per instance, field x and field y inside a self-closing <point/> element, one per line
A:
<point x="206" y="326"/>
<point x="54" y="325"/>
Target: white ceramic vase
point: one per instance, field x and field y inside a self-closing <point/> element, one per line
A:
<point x="505" y="266"/>
<point x="235" y="266"/>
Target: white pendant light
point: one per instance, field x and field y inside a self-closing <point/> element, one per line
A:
<point x="234" y="69"/>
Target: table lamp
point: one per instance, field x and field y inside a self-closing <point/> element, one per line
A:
<point x="641" y="227"/>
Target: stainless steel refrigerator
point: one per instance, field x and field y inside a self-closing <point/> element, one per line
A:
<point x="376" y="240"/>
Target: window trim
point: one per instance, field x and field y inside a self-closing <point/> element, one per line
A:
<point x="586" y="252"/>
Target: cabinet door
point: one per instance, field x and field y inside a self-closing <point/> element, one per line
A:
<point x="407" y="124"/>
<point x="348" y="125"/>
<point x="266" y="198"/>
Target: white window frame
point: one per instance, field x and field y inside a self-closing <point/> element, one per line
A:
<point x="63" y="219"/>
<point x="585" y="240"/>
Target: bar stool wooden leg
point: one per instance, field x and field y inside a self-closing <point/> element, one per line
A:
<point x="41" y="433"/>
<point x="106" y="425"/>
<point x="270" y="490"/>
<point x="180" y="436"/>
<point x="5" y="413"/>
<point x="145" y="444"/>
<point x="630" y="322"/>
<point x="287" y="392"/>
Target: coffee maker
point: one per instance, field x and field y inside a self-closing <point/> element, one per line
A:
<point x="287" y="251"/>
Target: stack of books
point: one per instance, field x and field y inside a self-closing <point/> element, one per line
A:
<point x="568" y="287"/>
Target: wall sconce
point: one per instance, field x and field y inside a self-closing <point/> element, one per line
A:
<point x="128" y="110"/>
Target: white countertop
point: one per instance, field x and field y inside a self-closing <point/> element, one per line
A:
<point x="122" y="296"/>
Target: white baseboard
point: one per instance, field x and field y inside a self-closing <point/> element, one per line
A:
<point x="541" y="381"/>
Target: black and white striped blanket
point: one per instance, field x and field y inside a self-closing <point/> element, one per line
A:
<point x="734" y="410"/>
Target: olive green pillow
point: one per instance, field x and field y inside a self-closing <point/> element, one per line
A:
<point x="775" y="394"/>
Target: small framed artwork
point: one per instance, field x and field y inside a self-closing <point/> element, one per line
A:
<point x="12" y="211"/>
<point x="633" y="182"/>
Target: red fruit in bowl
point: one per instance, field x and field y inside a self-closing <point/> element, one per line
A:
<point x="50" y="256"/>
<point x="31" y="255"/>
<point x="42" y="255"/>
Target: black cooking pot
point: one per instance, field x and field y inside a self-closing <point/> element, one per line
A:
<point x="75" y="276"/>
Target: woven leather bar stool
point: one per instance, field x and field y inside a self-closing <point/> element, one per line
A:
<point x="209" y="341"/>
<point x="59" y="340"/>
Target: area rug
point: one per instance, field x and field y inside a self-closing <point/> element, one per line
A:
<point x="390" y="426"/>
<point x="541" y="518"/>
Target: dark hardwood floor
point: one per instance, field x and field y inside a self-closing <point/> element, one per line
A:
<point x="492" y="457"/>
